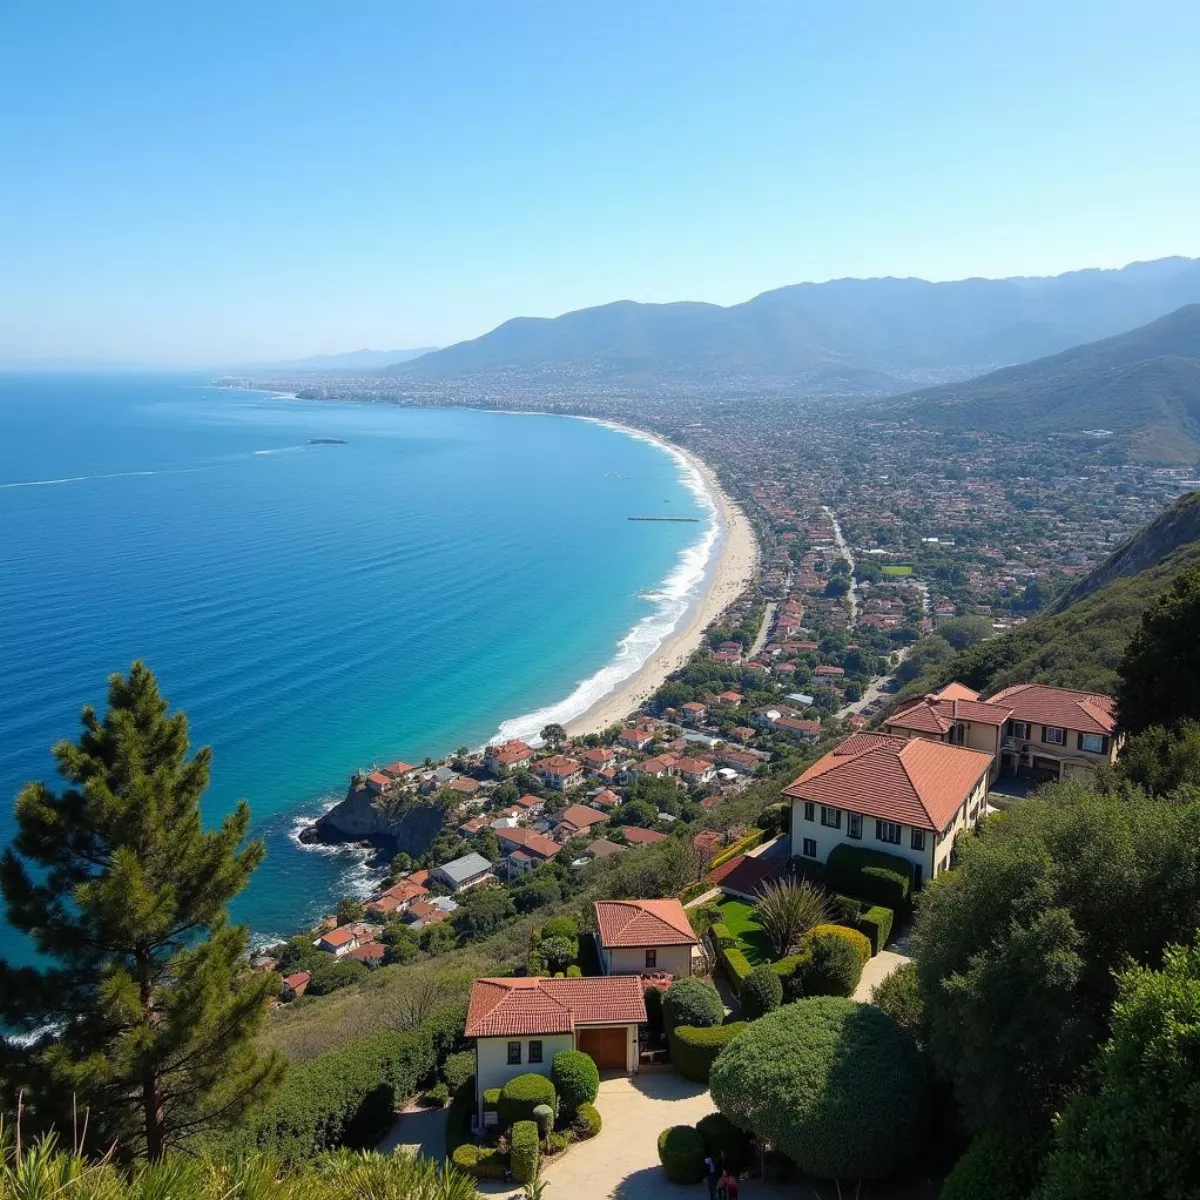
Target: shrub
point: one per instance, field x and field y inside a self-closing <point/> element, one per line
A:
<point x="831" y="968"/>
<point x="762" y="992"/>
<point x="859" y="942"/>
<point x="558" y="953"/>
<point x="559" y="927"/>
<point x="436" y="1096"/>
<point x="694" y="1050"/>
<point x="458" y="1117"/>
<point x="703" y="917"/>
<point x="491" y="1100"/>
<point x="458" y="1068"/>
<point x="574" y="972"/>
<point x="874" y="876"/>
<point x="690" y="1001"/>
<point x="556" y="1143"/>
<point x="996" y="1167"/>
<point x="525" y="1156"/>
<point x="681" y="1152"/>
<point x="737" y="968"/>
<point x="483" y="1162"/>
<point x="348" y="1097"/>
<point x="839" y="1087"/>
<point x="776" y="1167"/>
<point x="587" y="1122"/>
<point x="543" y="1117"/>
<point x="521" y="1095"/>
<point x="785" y="968"/>
<point x="787" y="910"/>
<point x="899" y="995"/>
<point x="575" y="1078"/>
<point x="876" y="923"/>
<point x="722" y="938"/>
<point x="724" y="1141"/>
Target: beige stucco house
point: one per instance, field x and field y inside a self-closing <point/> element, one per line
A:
<point x="955" y="715"/>
<point x="910" y="797"/>
<point x="520" y="1024"/>
<point x="644" y="937"/>
<point x="1056" y="733"/>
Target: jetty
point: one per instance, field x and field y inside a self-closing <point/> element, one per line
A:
<point x="684" y="520"/>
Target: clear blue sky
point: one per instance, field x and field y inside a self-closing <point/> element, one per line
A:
<point x="207" y="181"/>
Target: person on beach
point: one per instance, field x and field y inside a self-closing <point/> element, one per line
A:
<point x="711" y="1176"/>
<point x="728" y="1187"/>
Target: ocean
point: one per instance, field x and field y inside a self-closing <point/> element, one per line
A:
<point x="444" y="576"/>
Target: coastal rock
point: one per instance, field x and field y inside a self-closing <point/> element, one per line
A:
<point x="410" y="827"/>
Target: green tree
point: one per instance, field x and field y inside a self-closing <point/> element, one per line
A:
<point x="899" y="995"/>
<point x="1017" y="947"/>
<point x="483" y="911"/>
<point x="1159" y="677"/>
<point x="540" y="889"/>
<point x="1138" y="1134"/>
<point x="349" y="910"/>
<point x="554" y="735"/>
<point x="636" y="812"/>
<point x="1163" y="761"/>
<point x="400" y="942"/>
<point x="962" y="632"/>
<point x="125" y="893"/>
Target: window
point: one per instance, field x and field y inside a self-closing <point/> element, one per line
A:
<point x="958" y="734"/>
<point x="809" y="810"/>
<point x="810" y="848"/>
<point x="514" y="1054"/>
<point x="1094" y="743"/>
<point x="651" y="959"/>
<point x="918" y="839"/>
<point x="1018" y="730"/>
<point x="854" y="825"/>
<point x="1053" y="736"/>
<point x="887" y="831"/>
<point x="831" y="817"/>
<point x="535" y="1052"/>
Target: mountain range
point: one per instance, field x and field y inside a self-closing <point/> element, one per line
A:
<point x="847" y="336"/>
<point x="350" y="360"/>
<point x="1143" y="387"/>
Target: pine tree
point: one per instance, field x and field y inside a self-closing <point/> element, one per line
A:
<point x="154" y="1003"/>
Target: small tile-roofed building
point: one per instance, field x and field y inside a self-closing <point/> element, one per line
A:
<point x="465" y="872"/>
<point x="635" y="835"/>
<point x="645" y="935"/>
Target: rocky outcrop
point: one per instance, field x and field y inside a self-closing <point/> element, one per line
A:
<point x="410" y="826"/>
<point x="1173" y="527"/>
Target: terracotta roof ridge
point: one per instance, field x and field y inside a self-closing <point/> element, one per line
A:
<point x="912" y="782"/>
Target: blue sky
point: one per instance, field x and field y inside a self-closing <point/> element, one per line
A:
<point x="211" y="181"/>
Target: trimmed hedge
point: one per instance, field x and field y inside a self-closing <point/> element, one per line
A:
<point x="681" y="1152"/>
<point x="348" y="1097"/>
<point x="543" y="1117"/>
<point x="458" y="1116"/>
<point x="525" y="1153"/>
<point x="721" y="937"/>
<point x="521" y="1095"/>
<point x="832" y="968"/>
<point x="762" y="992"/>
<point x="575" y="1079"/>
<point x="483" y="1162"/>
<point x="785" y="968"/>
<point x="754" y="838"/>
<point x="587" y="1122"/>
<point x="694" y="1050"/>
<point x="997" y="1167"/>
<point x="724" y="1141"/>
<point x="876" y="924"/>
<point x="859" y="942"/>
<point x="837" y="1086"/>
<point x="737" y="968"/>
<point x="884" y="879"/>
<point x="689" y="1001"/>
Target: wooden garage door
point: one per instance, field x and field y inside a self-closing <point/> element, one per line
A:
<point x="606" y="1047"/>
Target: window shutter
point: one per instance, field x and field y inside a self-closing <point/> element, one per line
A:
<point x="1079" y="741"/>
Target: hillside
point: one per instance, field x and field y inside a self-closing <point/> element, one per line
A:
<point x="1143" y="386"/>
<point x="847" y="336"/>
<point x="1081" y="644"/>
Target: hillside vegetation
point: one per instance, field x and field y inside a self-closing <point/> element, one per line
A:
<point x="1143" y="386"/>
<point x="1081" y="645"/>
<point x="847" y="336"/>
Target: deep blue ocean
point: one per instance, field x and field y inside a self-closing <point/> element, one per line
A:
<point x="443" y="575"/>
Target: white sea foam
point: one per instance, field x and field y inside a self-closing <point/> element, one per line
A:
<point x="79" y="479"/>
<point x="673" y="597"/>
<point x="357" y="878"/>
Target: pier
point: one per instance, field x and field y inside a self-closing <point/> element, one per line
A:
<point x="685" y="520"/>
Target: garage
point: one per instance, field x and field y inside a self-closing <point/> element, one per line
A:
<point x="606" y="1047"/>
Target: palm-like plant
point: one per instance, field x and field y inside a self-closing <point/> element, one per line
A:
<point x="372" y="1176"/>
<point x="787" y="910"/>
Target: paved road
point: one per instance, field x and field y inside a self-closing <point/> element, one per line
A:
<point x="875" y="689"/>
<point x="844" y="549"/>
<point x="764" y="629"/>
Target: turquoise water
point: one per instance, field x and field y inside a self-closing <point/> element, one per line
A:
<point x="314" y="609"/>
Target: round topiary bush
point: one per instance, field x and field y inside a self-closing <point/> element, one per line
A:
<point x="724" y="1141"/>
<point x="524" y="1154"/>
<point x="762" y="992"/>
<point x="831" y="967"/>
<point x="681" y="1152"/>
<point x="575" y="1079"/>
<point x="996" y="1167"/>
<point x="839" y="1087"/>
<point x="858" y="940"/>
<point x="521" y="1095"/>
<point x="543" y="1116"/>
<point x="587" y="1122"/>
<point x="693" y="1051"/>
<point x="690" y="1001"/>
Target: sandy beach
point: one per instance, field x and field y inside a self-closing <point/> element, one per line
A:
<point x="734" y="567"/>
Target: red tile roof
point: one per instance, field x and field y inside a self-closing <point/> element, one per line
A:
<point x="914" y="781"/>
<point x="528" y="839"/>
<point x="643" y="923"/>
<point x="337" y="937"/>
<point x="397" y="769"/>
<point x="580" y="816"/>
<point x="557" y="765"/>
<point x="367" y="952"/>
<point x="405" y="890"/>
<point x="297" y="979"/>
<point x="636" y="836"/>
<point x="938" y="714"/>
<point x="1086" y="712"/>
<point x="520" y="1007"/>
<point x="956" y="691"/>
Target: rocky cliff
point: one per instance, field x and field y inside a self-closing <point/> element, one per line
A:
<point x="410" y="826"/>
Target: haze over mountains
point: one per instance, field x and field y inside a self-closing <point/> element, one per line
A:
<point x="849" y="336"/>
<point x="1143" y="386"/>
<point x="351" y="360"/>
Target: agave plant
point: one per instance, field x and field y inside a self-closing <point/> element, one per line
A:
<point x="371" y="1176"/>
<point x="787" y="910"/>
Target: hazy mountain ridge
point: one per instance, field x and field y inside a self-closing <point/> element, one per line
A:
<point x="866" y="336"/>
<point x="1143" y="385"/>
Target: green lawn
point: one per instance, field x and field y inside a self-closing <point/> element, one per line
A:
<point x="739" y="917"/>
<point x="898" y="569"/>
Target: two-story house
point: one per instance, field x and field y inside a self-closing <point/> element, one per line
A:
<point x="1056" y="733"/>
<point x="904" y="796"/>
<point x="645" y="936"/>
<point x="955" y="715"/>
<point x="559" y="771"/>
